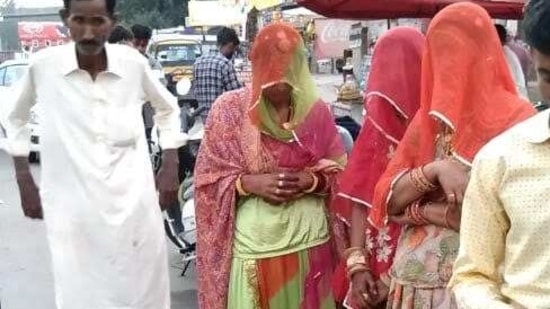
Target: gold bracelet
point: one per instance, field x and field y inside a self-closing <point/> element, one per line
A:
<point x="314" y="185"/>
<point x="424" y="179"/>
<point x="239" y="186"/>
<point x="350" y="251"/>
<point x="447" y="225"/>
<point x="415" y="182"/>
<point x="420" y="182"/>
<point x="356" y="259"/>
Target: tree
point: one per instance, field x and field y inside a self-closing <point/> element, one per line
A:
<point x="7" y="7"/>
<point x="7" y="28"/>
<point x="155" y="14"/>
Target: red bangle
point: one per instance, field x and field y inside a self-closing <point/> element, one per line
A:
<point x="414" y="214"/>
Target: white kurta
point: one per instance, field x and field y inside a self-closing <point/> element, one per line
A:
<point x="101" y="210"/>
<point x="517" y="72"/>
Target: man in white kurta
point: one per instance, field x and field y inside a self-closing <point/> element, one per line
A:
<point x="97" y="187"/>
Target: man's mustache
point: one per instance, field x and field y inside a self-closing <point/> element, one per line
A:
<point x="88" y="42"/>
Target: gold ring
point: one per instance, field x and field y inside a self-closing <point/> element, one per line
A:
<point x="281" y="176"/>
<point x="280" y="184"/>
<point x="277" y="191"/>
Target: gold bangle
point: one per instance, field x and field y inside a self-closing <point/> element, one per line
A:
<point x="414" y="181"/>
<point x="447" y="225"/>
<point x="424" y="179"/>
<point x="357" y="259"/>
<point x="420" y="182"/>
<point x="350" y="251"/>
<point x="314" y="185"/>
<point x="239" y="186"/>
<point x="357" y="269"/>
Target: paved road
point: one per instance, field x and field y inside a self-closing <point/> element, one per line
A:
<point x="25" y="275"/>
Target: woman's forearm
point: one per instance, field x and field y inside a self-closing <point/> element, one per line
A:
<point x="358" y="225"/>
<point x="405" y="192"/>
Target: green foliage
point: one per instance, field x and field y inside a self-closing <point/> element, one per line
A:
<point x="155" y="14"/>
<point x="7" y="7"/>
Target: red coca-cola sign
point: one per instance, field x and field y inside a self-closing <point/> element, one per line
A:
<point x="42" y="34"/>
<point x="332" y="37"/>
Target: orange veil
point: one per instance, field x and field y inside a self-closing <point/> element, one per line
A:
<point x="466" y="84"/>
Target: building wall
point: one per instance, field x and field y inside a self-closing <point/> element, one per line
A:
<point x="8" y="27"/>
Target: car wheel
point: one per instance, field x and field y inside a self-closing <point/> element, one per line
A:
<point x="34" y="157"/>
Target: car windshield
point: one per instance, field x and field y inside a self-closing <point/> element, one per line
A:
<point x="14" y="73"/>
<point x="178" y="54"/>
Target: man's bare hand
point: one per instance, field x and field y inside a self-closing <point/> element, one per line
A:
<point x="30" y="197"/>
<point x="168" y="180"/>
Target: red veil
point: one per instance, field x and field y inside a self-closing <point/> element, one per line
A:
<point x="466" y="84"/>
<point x="392" y="98"/>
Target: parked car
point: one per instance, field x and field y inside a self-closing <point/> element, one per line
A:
<point x="11" y="71"/>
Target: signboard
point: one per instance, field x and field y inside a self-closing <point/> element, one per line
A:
<point x="215" y="13"/>
<point x="332" y="37"/>
<point x="38" y="35"/>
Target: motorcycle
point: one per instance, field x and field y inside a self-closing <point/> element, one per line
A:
<point x="179" y="220"/>
<point x="541" y="106"/>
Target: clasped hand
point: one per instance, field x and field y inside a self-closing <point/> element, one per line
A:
<point x="368" y="293"/>
<point x="278" y="188"/>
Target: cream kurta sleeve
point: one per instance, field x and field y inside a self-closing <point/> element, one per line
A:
<point x="17" y="115"/>
<point x="167" y="111"/>
<point x="476" y="278"/>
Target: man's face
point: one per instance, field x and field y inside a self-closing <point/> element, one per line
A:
<point x="542" y="65"/>
<point x="141" y="45"/>
<point x="229" y="49"/>
<point x="90" y="25"/>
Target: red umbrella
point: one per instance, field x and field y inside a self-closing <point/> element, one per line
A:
<point x="383" y="9"/>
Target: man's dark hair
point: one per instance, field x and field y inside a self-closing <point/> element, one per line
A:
<point x="142" y="32"/>
<point x="111" y="5"/>
<point x="228" y="35"/>
<point x="536" y="24"/>
<point x="120" y="34"/>
<point x="502" y="33"/>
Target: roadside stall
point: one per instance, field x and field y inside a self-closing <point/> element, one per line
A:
<point x="385" y="9"/>
<point x="382" y="14"/>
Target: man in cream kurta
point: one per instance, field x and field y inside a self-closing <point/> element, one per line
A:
<point x="504" y="256"/>
<point x="97" y="187"/>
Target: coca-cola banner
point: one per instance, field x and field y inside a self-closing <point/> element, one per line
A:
<point x="332" y="37"/>
<point x="42" y="34"/>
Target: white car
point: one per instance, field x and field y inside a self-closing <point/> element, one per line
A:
<point x="11" y="71"/>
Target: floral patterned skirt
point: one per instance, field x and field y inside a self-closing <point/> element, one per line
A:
<point x="410" y="297"/>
